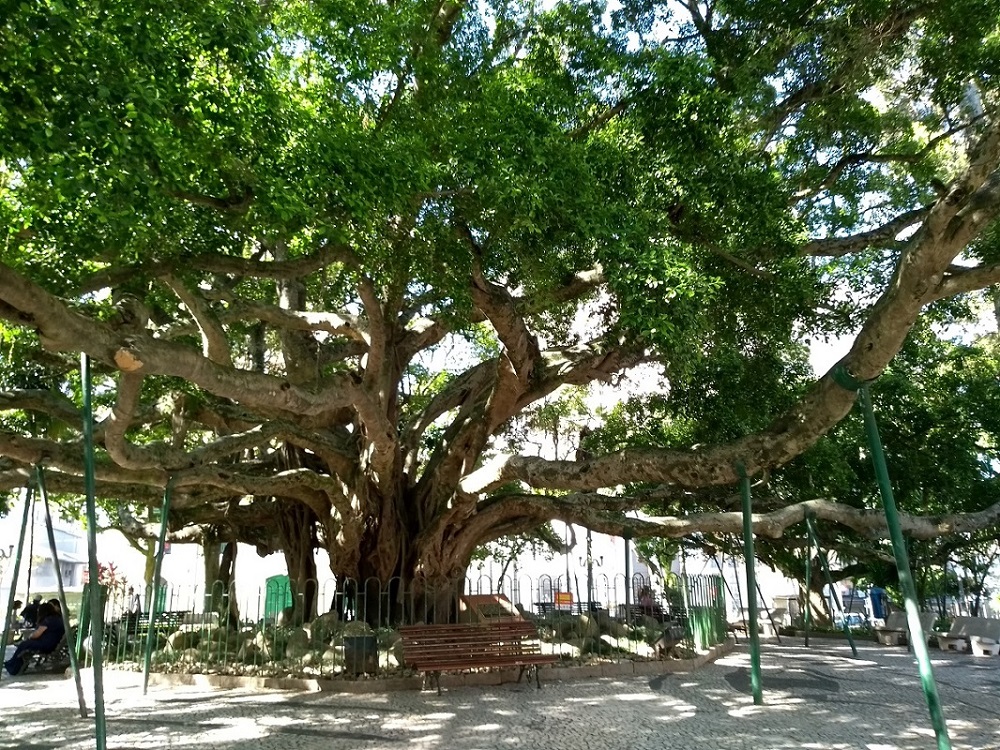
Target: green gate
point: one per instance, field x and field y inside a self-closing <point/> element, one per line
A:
<point x="277" y="596"/>
<point x="706" y="610"/>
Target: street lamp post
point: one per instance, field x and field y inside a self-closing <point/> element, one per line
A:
<point x="566" y="547"/>
<point x="590" y="562"/>
<point x="4" y="557"/>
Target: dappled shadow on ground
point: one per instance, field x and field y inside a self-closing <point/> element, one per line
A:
<point x="819" y="698"/>
<point x="184" y="723"/>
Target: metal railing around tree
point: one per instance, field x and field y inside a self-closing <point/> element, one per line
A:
<point x="264" y="633"/>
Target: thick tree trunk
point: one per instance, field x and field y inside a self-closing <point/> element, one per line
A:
<point x="422" y="585"/>
<point x="227" y="606"/>
<point x="400" y="598"/>
<point x="812" y="597"/>
<point x="149" y="568"/>
<point x="212" y="550"/>
<point x="297" y="530"/>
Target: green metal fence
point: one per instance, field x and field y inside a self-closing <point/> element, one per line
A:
<point x="267" y="635"/>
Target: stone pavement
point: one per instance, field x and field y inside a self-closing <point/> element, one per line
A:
<point x="816" y="699"/>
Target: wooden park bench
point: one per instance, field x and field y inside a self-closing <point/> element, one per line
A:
<point x="635" y="612"/>
<point x="56" y="660"/>
<point x="433" y="649"/>
<point x="135" y="626"/>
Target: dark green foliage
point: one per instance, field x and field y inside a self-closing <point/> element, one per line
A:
<point x="497" y="200"/>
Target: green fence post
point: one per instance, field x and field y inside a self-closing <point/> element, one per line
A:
<point x="750" y="558"/>
<point x="154" y="601"/>
<point x="917" y="637"/>
<point x="40" y="476"/>
<point x="96" y="607"/>
<point x="686" y="600"/>
<point x="83" y="625"/>
<point x="721" y="607"/>
<point x="807" y="613"/>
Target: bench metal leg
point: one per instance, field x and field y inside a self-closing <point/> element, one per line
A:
<point x="435" y="678"/>
<point x="538" y="679"/>
<point x="529" y="668"/>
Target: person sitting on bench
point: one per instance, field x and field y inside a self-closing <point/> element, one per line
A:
<point x="43" y="640"/>
<point x="30" y="613"/>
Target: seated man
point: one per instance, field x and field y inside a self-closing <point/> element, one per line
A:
<point x="30" y="613"/>
<point x="43" y="640"/>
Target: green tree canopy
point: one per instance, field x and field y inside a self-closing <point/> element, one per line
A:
<point x="323" y="253"/>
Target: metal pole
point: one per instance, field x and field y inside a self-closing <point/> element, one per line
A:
<point x="96" y="608"/>
<point x="566" y="537"/>
<point x="31" y="552"/>
<point x="154" y="602"/>
<point x="739" y="591"/>
<point x="758" y="697"/>
<point x="917" y="637"/>
<point x="17" y="568"/>
<point x="722" y="575"/>
<point x="811" y="526"/>
<point x="590" y="572"/>
<point x="685" y="593"/>
<point x="807" y="615"/>
<point x="962" y="603"/>
<point x="770" y="617"/>
<point x="70" y="641"/>
<point x="628" y="585"/>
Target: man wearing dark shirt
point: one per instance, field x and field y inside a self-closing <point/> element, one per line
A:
<point x="30" y="613"/>
<point x="43" y="640"/>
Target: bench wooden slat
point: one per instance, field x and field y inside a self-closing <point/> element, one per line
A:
<point x="504" y="643"/>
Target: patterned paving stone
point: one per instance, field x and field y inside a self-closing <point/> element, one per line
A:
<point x="814" y="699"/>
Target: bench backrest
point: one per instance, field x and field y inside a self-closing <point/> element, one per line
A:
<point x="200" y="618"/>
<point x="138" y="622"/>
<point x="896" y="620"/>
<point x="979" y="626"/>
<point x="480" y="640"/>
<point x="777" y="614"/>
<point x="927" y="620"/>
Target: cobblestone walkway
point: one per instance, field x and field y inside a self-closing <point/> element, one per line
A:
<point x="816" y="699"/>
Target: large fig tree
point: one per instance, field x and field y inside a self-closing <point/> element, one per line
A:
<point x="322" y="254"/>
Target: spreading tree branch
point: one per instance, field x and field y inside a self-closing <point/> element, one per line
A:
<point x="950" y="225"/>
<point x="215" y="345"/>
<point x="67" y="330"/>
<point x="883" y="236"/>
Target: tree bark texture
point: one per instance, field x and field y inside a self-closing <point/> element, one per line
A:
<point x="277" y="360"/>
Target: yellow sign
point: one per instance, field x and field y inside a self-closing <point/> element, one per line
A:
<point x="564" y="599"/>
